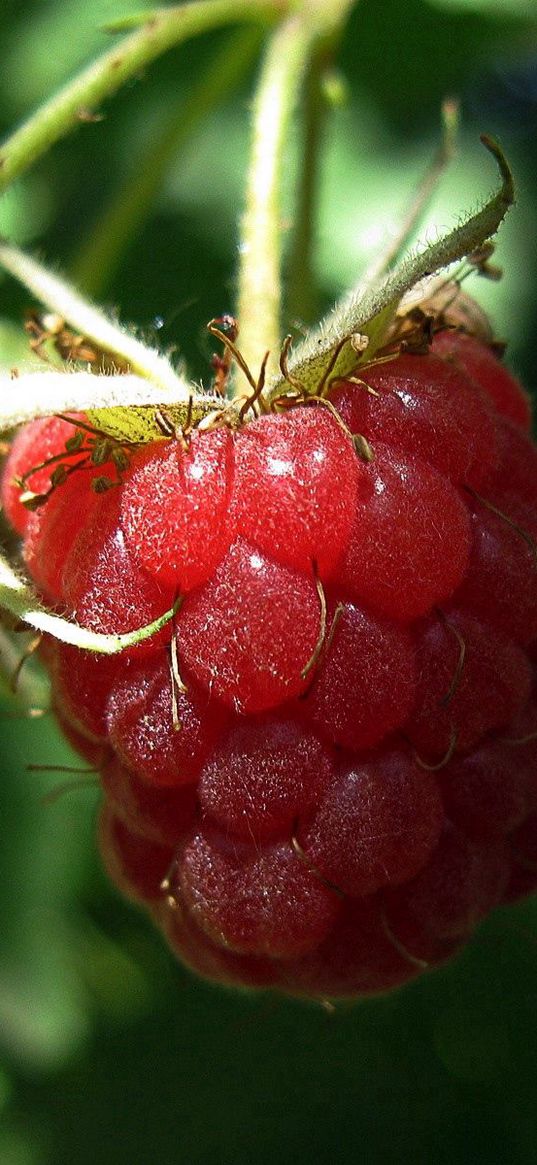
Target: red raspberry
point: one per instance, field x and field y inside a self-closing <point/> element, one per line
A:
<point x="425" y="407"/>
<point x="32" y="447"/>
<point x="288" y="498"/>
<point x="175" y="506"/>
<point x="480" y="363"/>
<point x="321" y="775"/>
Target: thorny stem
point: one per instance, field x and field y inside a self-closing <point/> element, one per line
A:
<point x="290" y="49"/>
<point x="162" y="29"/>
<point x="95" y="265"/>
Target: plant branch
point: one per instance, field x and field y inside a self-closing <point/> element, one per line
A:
<point x="301" y="295"/>
<point x="98" y="260"/>
<point x="92" y="323"/>
<point x="162" y="30"/>
<point x="290" y="49"/>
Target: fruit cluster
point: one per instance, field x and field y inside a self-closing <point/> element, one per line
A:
<point x="321" y="774"/>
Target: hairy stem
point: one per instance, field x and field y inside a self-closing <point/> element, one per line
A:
<point x="290" y="49"/>
<point x="95" y="265"/>
<point x="92" y="323"/>
<point x="162" y="29"/>
<point x="302" y="291"/>
<point x="331" y="350"/>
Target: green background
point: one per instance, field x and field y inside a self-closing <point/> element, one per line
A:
<point x="110" y="1052"/>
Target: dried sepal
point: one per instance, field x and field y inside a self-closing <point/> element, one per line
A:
<point x="444" y="301"/>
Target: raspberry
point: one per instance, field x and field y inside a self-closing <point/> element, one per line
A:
<point x="523" y="878"/>
<point x="249" y="633"/>
<point x="484" y="794"/>
<point x="102" y="582"/>
<point x="135" y="863"/>
<point x="516" y="474"/>
<point x="161" y="815"/>
<point x="376" y="825"/>
<point x="143" y="735"/>
<point x="254" y="900"/>
<point x="51" y="529"/>
<point x="296" y="487"/>
<point x="174" y="508"/>
<point x="320" y="775"/>
<point x="458" y="886"/>
<point x="413" y="526"/>
<point x="33" y="446"/>
<point x="354" y="701"/>
<point x="264" y="773"/>
<point x="472" y="679"/>
<point x="480" y="364"/>
<point x="425" y="408"/>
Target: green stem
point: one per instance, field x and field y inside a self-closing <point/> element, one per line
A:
<point x="95" y="265"/>
<point x="259" y="298"/>
<point x="259" y="278"/>
<point x="302" y="299"/>
<point x="162" y="30"/>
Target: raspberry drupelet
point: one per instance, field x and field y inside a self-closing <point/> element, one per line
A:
<point x="321" y="774"/>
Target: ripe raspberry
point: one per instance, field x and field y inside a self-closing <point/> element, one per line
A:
<point x="425" y="408"/>
<point x="480" y="364"/>
<point x="174" y="508"/>
<point x="32" y="447"/>
<point x="321" y="775"/>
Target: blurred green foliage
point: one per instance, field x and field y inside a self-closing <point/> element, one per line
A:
<point x="110" y="1052"/>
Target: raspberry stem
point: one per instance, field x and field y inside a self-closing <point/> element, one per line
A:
<point x="289" y="52"/>
<point x="60" y="297"/>
<point x="121" y="220"/>
<point x="302" y="295"/>
<point x="161" y="30"/>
